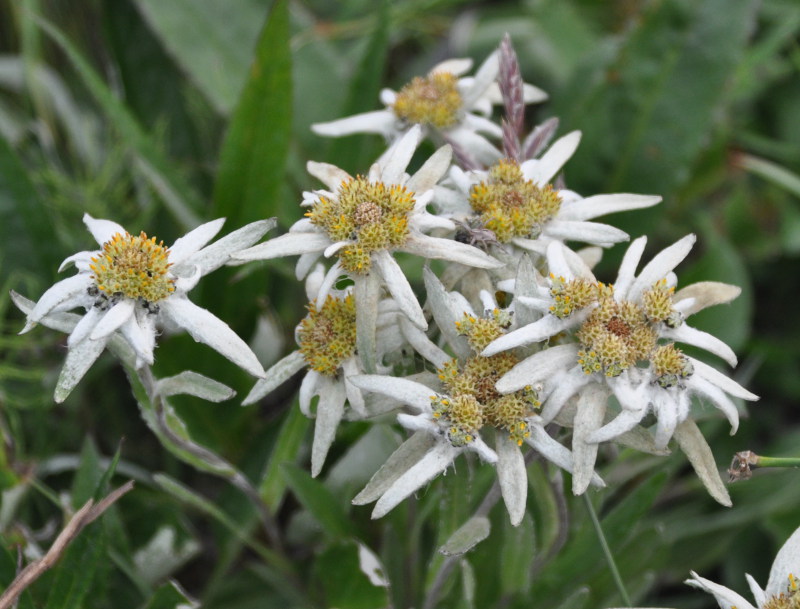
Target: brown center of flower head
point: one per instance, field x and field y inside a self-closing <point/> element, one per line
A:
<point x="511" y="206"/>
<point x="371" y="215"/>
<point x="133" y="266"/>
<point x="619" y="334"/>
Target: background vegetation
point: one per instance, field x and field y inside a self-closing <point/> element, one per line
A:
<point x="159" y="114"/>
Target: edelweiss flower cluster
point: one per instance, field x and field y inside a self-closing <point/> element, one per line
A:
<point x="517" y="340"/>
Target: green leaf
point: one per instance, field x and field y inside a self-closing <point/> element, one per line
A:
<point x="253" y="157"/>
<point x="87" y="475"/>
<point x="214" y="57"/>
<point x="171" y="596"/>
<point x="179" y="198"/>
<point x="518" y="554"/>
<point x="26" y="224"/>
<point x="273" y="484"/>
<point x="363" y="93"/>
<point x="8" y="571"/>
<point x="344" y="584"/>
<point x="75" y="572"/>
<point x="319" y="501"/>
<point x="582" y="557"/>
<point x="644" y="115"/>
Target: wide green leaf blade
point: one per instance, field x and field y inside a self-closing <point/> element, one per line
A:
<point x="215" y="58"/>
<point x="648" y="106"/>
<point x="253" y="157"/>
<point x="273" y="483"/>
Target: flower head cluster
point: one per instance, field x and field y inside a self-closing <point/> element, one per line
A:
<point x="621" y="338"/>
<point x="464" y="405"/>
<point x="134" y="284"/>
<point x="449" y="106"/>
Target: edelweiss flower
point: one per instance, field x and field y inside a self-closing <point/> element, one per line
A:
<point x="133" y="284"/>
<point x="463" y="407"/>
<point x="518" y="203"/>
<point x="782" y="586"/>
<point x="327" y="347"/>
<point x="623" y="343"/>
<point x="362" y="220"/>
<point x="452" y="109"/>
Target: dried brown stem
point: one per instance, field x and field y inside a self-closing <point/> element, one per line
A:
<point x="79" y="521"/>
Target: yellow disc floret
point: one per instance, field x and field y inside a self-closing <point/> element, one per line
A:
<point x="472" y="400"/>
<point x="671" y="366"/>
<point x="433" y="100"/>
<point x="370" y="215"/>
<point x="327" y="336"/>
<point x="511" y="206"/>
<point x="133" y="266"/>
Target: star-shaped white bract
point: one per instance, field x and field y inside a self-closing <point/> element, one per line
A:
<point x="782" y="586"/>
<point x="327" y="348"/>
<point x="623" y="344"/>
<point x="362" y="221"/>
<point x="517" y="202"/>
<point x="450" y="107"/>
<point x="461" y="404"/>
<point x="133" y="285"/>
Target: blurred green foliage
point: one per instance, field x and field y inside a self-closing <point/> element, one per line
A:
<point x="162" y="114"/>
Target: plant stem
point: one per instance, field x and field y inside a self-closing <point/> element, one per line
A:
<point x="612" y="565"/>
<point x="778" y="462"/>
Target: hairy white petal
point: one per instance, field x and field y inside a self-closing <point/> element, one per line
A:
<point x="379" y="121"/>
<point x="591" y="408"/>
<point x="290" y="244"/>
<point x="538" y="367"/>
<point x="513" y="477"/>
<point x="279" y="373"/>
<point x="435" y="461"/>
<point x="205" y="327"/>
<point x="543" y="170"/>
<point x="395" y="281"/>
<point x="692" y="336"/>
<point x="191" y="242"/>
<point x="627" y="269"/>
<point x="696" y="449"/>
<point x="113" y="319"/>
<point x="80" y="358"/>
<point x="328" y="174"/>
<point x="330" y="409"/>
<point x="448" y="249"/>
<point x="61" y="292"/>
<point x="727" y="598"/>
<point x="409" y="392"/>
<point x="661" y="265"/>
<point x="399" y="462"/>
<point x="102" y="230"/>
<point x="787" y="561"/>
<point x="724" y="382"/>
